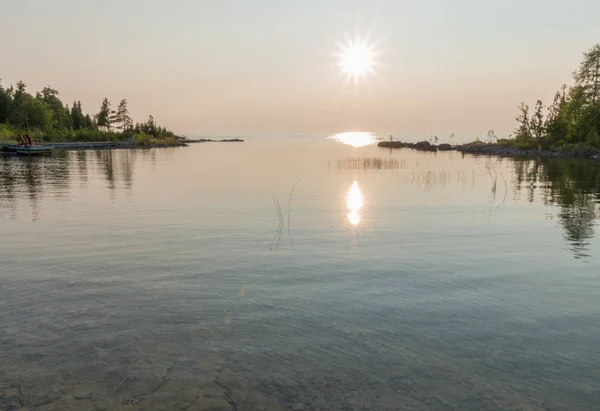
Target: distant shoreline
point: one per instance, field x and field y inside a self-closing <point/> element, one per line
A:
<point x="490" y="149"/>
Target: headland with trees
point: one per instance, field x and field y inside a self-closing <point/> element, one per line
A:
<point x="569" y="126"/>
<point x="46" y="118"/>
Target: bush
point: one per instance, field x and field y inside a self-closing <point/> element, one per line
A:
<point x="83" y="135"/>
<point x="593" y="139"/>
<point x="146" y="140"/>
<point x="563" y="147"/>
<point x="523" y="144"/>
<point x="7" y="134"/>
<point x="504" y="141"/>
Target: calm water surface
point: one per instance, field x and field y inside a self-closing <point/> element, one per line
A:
<point x="298" y="274"/>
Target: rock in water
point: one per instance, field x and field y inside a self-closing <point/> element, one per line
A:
<point x="425" y="146"/>
<point x="391" y="144"/>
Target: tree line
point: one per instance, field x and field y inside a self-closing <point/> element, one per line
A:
<point x="45" y="113"/>
<point x="572" y="120"/>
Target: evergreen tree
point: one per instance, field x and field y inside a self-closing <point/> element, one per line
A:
<point x="5" y="105"/>
<point x="588" y="74"/>
<point x="112" y="119"/>
<point x="77" y="116"/>
<point x="80" y="115"/>
<point x="123" y="119"/>
<point x="20" y="100"/>
<point x="103" y="116"/>
<point x="89" y="123"/>
<point x="149" y="127"/>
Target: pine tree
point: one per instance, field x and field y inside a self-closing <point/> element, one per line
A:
<point x="89" y="123"/>
<point x="103" y="116"/>
<point x="112" y="119"/>
<point x="149" y="127"/>
<point x="77" y="116"/>
<point x="20" y="100"/>
<point x="122" y="116"/>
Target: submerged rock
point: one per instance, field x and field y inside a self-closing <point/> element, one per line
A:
<point x="10" y="397"/>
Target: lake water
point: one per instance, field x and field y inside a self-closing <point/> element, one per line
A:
<point x="298" y="274"/>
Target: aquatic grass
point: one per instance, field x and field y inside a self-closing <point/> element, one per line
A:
<point x="277" y="239"/>
<point x="493" y="174"/>
<point x="494" y="177"/>
<point x="442" y="178"/>
<point x="369" y="163"/>
<point x="290" y="211"/>
<point x="429" y="177"/>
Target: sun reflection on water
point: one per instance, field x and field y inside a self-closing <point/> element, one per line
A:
<point x="354" y="203"/>
<point x="355" y="138"/>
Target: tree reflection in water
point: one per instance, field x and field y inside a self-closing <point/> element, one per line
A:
<point x="572" y="185"/>
<point x="25" y="181"/>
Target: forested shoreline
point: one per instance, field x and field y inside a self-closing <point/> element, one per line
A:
<point x="572" y="120"/>
<point x="47" y="119"/>
<point x="570" y="124"/>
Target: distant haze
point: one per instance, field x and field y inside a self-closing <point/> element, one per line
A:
<point x="268" y="66"/>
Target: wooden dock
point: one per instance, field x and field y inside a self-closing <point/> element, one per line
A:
<point x="89" y="145"/>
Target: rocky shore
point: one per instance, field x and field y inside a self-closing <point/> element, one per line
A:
<point x="484" y="149"/>
<point x="421" y="145"/>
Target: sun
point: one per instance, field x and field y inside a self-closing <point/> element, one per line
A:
<point x="357" y="58"/>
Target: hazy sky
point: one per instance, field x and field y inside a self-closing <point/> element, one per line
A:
<point x="269" y="66"/>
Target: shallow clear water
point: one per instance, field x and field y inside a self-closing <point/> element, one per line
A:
<point x="191" y="278"/>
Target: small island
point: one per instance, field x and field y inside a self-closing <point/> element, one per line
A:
<point x="566" y="128"/>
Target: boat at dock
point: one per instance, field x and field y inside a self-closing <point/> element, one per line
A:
<point x="38" y="150"/>
<point x="27" y="147"/>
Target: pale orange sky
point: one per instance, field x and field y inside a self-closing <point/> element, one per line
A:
<point x="267" y="66"/>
